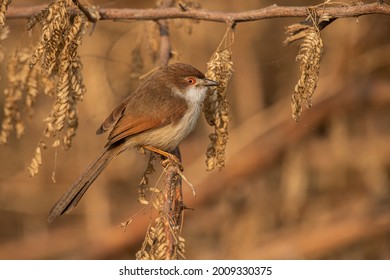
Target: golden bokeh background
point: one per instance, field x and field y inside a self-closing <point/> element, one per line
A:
<point x="317" y="189"/>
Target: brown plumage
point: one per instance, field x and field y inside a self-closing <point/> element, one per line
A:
<point x="159" y="113"/>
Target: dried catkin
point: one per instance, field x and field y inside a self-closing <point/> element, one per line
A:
<point x="3" y="8"/>
<point x="216" y="107"/>
<point x="309" y="56"/>
<point x="56" y="55"/>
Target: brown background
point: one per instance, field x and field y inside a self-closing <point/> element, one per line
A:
<point x="317" y="189"/>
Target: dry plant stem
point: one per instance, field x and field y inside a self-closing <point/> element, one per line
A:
<point x="143" y="185"/>
<point x="172" y="208"/>
<point x="172" y="191"/>
<point x="162" y="240"/>
<point x="173" y="205"/>
<point x="273" y="11"/>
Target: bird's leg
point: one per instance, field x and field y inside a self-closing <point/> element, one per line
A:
<point x="169" y="156"/>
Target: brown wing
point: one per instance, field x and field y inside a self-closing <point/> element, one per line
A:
<point x="127" y="119"/>
<point x="112" y="119"/>
<point x="129" y="125"/>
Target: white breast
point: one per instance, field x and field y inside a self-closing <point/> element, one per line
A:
<point x="168" y="138"/>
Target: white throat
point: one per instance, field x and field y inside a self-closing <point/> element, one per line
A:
<point x="195" y="95"/>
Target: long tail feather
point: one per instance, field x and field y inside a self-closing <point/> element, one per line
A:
<point x="72" y="196"/>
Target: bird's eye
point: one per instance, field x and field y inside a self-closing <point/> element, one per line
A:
<point x="191" y="81"/>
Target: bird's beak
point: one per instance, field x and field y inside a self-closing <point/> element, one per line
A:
<point x="209" y="83"/>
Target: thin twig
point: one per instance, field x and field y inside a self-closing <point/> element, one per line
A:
<point x="90" y="12"/>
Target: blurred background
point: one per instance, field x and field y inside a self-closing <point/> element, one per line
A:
<point x="317" y="189"/>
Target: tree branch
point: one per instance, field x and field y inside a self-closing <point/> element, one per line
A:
<point x="273" y="11"/>
<point x="165" y="46"/>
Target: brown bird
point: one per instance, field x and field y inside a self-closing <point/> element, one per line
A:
<point x="158" y="115"/>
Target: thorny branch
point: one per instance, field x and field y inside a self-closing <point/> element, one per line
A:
<point x="274" y="11"/>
